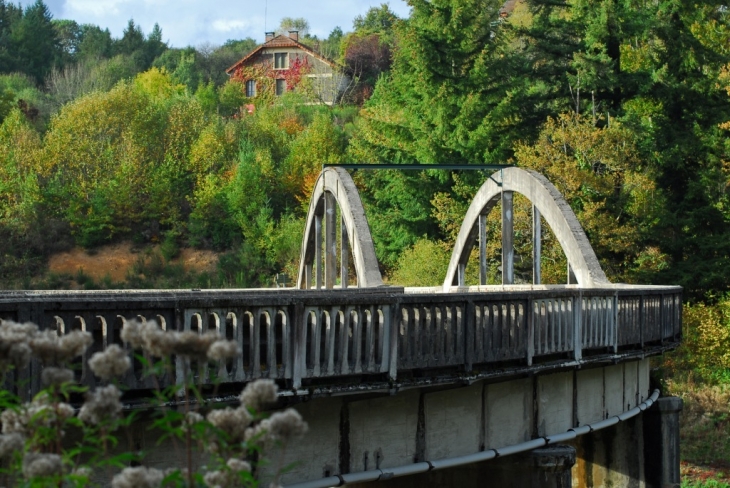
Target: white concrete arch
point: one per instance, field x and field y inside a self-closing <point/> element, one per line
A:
<point x="334" y="186"/>
<point x="551" y="205"/>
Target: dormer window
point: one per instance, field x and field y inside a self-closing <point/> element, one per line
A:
<point x="281" y="60"/>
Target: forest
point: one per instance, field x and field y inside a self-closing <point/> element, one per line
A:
<point x="623" y="104"/>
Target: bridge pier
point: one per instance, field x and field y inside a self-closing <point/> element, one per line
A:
<point x="661" y="449"/>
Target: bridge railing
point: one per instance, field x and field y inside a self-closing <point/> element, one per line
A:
<point x="305" y="336"/>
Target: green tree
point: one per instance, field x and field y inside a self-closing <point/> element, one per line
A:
<point x="94" y="43"/>
<point x="68" y="33"/>
<point x="377" y="20"/>
<point x="35" y="42"/>
<point x="423" y="264"/>
<point x="447" y="97"/>
<point x="9" y="16"/>
<point x="154" y="46"/>
<point x="298" y="24"/>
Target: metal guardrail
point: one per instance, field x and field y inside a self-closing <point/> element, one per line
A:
<point x="299" y="336"/>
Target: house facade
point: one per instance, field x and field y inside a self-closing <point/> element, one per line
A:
<point x="282" y="63"/>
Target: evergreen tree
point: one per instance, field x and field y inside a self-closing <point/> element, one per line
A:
<point x="154" y="46"/>
<point x="446" y="97"/>
<point x="9" y="15"/>
<point x="35" y="41"/>
<point x="655" y="66"/>
<point x="132" y="42"/>
<point x="94" y="43"/>
<point x="68" y="33"/>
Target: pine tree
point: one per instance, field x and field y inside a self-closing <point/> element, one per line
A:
<point x="34" y="40"/>
<point x="94" y="43"/>
<point x="154" y="46"/>
<point x="9" y="15"/>
<point x="655" y="66"/>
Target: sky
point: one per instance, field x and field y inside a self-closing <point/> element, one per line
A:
<point x="196" y="22"/>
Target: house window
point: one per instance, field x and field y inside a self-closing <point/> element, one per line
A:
<point x="281" y="60"/>
<point x="251" y="88"/>
<point x="280" y="87"/>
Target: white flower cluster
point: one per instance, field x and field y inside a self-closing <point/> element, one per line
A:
<point x="259" y="394"/>
<point x="38" y="465"/>
<point x="41" y="412"/>
<point x="101" y="405"/>
<point x="54" y="349"/>
<point x="280" y="427"/>
<point x="232" y="421"/>
<point x="10" y="443"/>
<point x="159" y="343"/>
<point x="112" y="362"/>
<point x="14" y="343"/>
<point x="227" y="478"/>
<point x="56" y="376"/>
<point x="19" y="341"/>
<point x="138" y="477"/>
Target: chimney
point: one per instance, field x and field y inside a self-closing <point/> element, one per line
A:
<point x="294" y="35"/>
<point x="269" y="36"/>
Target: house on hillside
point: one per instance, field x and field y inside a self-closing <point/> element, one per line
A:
<point x="282" y="62"/>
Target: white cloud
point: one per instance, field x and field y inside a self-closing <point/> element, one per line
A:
<point x="193" y="22"/>
<point x="229" y="25"/>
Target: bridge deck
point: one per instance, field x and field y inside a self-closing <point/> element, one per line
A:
<point x="305" y="338"/>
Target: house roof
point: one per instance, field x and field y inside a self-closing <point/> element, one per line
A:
<point x="280" y="41"/>
<point x="508" y="7"/>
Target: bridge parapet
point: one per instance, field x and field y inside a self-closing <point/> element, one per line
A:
<point x="308" y="337"/>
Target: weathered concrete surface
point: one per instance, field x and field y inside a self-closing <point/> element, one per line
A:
<point x="383" y="431"/>
<point x="661" y="429"/>
<point x="553" y="208"/>
<point x="355" y="434"/>
<point x="613" y="377"/>
<point x="318" y="457"/>
<point x="427" y="424"/>
<point x="338" y="183"/>
<point x="508" y="412"/>
<point x="644" y="374"/>
<point x="454" y="420"/>
<point x="555" y="404"/>
<point x="631" y="385"/>
<point x="590" y="388"/>
<point x="612" y="457"/>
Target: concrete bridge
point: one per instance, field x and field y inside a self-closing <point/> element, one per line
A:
<point x="448" y="386"/>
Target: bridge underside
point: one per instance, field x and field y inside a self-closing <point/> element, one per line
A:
<point x="392" y="430"/>
<point x="415" y="436"/>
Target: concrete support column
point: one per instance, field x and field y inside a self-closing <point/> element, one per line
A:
<point x="661" y="443"/>
<point x="551" y="467"/>
<point x="536" y="246"/>
<point x="318" y="251"/>
<point x="330" y="240"/>
<point x="508" y="237"/>
<point x="482" y="250"/>
<point x="344" y="255"/>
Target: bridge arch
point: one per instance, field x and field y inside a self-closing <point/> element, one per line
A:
<point x="548" y="201"/>
<point x="334" y="188"/>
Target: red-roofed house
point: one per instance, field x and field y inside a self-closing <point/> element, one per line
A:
<point x="282" y="57"/>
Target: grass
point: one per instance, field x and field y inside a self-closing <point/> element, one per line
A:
<point x="704" y="484"/>
<point x="704" y="433"/>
